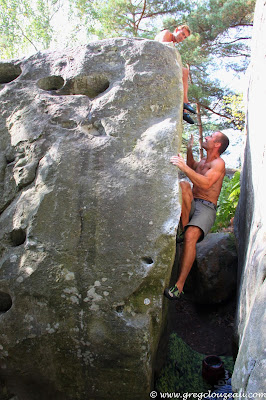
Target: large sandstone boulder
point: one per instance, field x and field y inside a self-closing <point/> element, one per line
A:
<point x="214" y="274"/>
<point x="89" y="211"/>
<point x="250" y="367"/>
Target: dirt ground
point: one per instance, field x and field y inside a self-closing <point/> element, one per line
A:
<point x="208" y="329"/>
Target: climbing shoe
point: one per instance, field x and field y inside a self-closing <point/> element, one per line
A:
<point x="172" y="293"/>
<point x="188" y="107"/>
<point x="187" y="118"/>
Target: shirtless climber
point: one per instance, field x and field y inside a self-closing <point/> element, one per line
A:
<point x="199" y="203"/>
<point x="180" y="33"/>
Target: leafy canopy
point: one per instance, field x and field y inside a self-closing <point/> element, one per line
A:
<point x="227" y="202"/>
<point x="24" y="24"/>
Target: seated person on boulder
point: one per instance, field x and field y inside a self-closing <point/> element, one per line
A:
<point x="198" y="210"/>
<point x="180" y="33"/>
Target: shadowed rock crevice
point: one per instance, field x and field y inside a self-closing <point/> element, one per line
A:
<point x="10" y="155"/>
<point x="9" y="72"/>
<point x="5" y="302"/>
<point x="67" y="124"/>
<point x="18" y="236"/>
<point x="147" y="260"/>
<point x="51" y="83"/>
<point x="95" y="129"/>
<point x="17" y="179"/>
<point x="90" y="86"/>
<point x="20" y="167"/>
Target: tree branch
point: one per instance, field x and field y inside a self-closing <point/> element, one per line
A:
<point x="142" y="14"/>
<point x="25" y="36"/>
<point x="154" y="14"/>
<point x="240" y="24"/>
<point x="214" y="112"/>
<point x="233" y="41"/>
<point x="55" y="11"/>
<point x="219" y="114"/>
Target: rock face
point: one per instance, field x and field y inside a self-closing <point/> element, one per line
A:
<point x="89" y="211"/>
<point x="214" y="274"/>
<point x="250" y="367"/>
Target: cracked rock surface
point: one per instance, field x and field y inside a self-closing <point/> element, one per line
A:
<point x="89" y="210"/>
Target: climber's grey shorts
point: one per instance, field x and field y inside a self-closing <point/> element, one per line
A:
<point x="202" y="215"/>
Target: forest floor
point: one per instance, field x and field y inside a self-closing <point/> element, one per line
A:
<point x="207" y="329"/>
<point x="193" y="332"/>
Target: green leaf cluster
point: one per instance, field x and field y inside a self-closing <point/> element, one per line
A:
<point x="127" y="18"/>
<point x="221" y="32"/>
<point x="24" y="23"/>
<point x="227" y="202"/>
<point x="213" y="20"/>
<point x="234" y="107"/>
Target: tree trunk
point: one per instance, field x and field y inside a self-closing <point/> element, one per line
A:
<point x="200" y="130"/>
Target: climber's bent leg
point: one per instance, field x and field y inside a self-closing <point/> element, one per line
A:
<point x="187" y="198"/>
<point x="192" y="235"/>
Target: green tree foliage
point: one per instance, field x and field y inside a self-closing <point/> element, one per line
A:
<point x="234" y="107"/>
<point x="221" y="34"/>
<point x="220" y="29"/>
<point x="220" y="24"/>
<point x="227" y="202"/>
<point x="24" y="24"/>
<point x="28" y="22"/>
<point x="127" y="17"/>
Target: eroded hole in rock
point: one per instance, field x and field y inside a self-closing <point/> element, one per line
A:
<point x="119" y="309"/>
<point x="5" y="302"/>
<point x="18" y="236"/>
<point x="10" y="158"/>
<point x="53" y="82"/>
<point x="95" y="129"/>
<point x="9" y="72"/>
<point x="68" y="124"/>
<point x="10" y="154"/>
<point x="147" y="260"/>
<point x="90" y="86"/>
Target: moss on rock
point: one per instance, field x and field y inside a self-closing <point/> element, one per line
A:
<point x="182" y="370"/>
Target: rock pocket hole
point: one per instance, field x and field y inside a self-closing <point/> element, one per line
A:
<point x="9" y="72"/>
<point x="147" y="260"/>
<point x="95" y="129"/>
<point x="5" y="302"/>
<point x="10" y="158"/>
<point x="18" y="236"/>
<point x="90" y="86"/>
<point x="53" y="82"/>
<point x="119" y="309"/>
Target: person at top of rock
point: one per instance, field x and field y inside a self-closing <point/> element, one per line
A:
<point x="198" y="210"/>
<point x="180" y="33"/>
